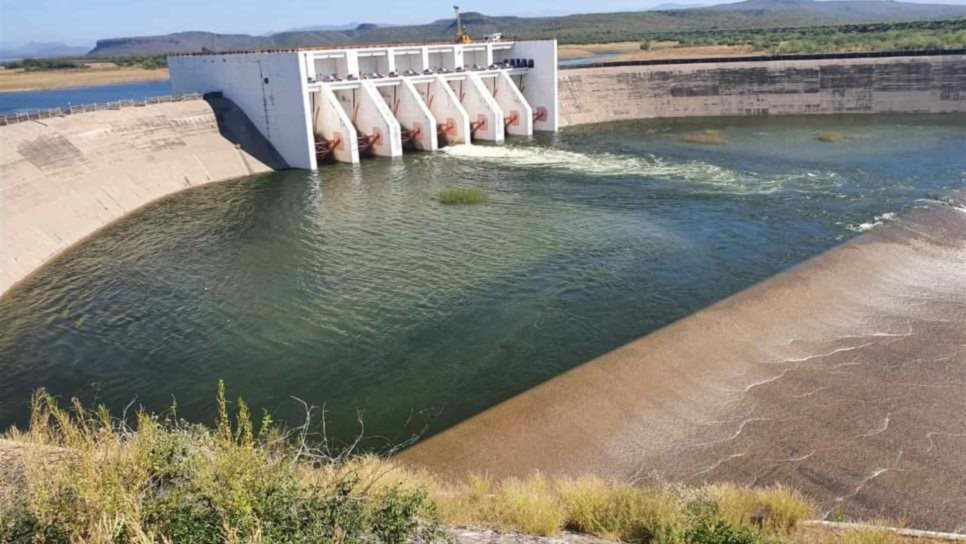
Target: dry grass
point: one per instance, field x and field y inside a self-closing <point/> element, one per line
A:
<point x="85" y="477"/>
<point x="170" y="481"/>
<point x="882" y="531"/>
<point x="830" y="137"/>
<point x="708" y="137"/>
<point x="12" y="81"/>
<point x="658" y="50"/>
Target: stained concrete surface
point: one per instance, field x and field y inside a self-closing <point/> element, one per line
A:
<point x="795" y="87"/>
<point x="844" y="377"/>
<point x="61" y="179"/>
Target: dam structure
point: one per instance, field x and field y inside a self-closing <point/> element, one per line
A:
<point x="319" y="104"/>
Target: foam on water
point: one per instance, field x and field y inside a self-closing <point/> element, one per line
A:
<point x="648" y="166"/>
<point x="876" y="222"/>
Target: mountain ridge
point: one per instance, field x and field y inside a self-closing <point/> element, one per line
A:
<point x="577" y="28"/>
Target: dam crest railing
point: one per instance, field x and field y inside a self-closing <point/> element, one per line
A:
<point x="771" y="58"/>
<point x="48" y="113"/>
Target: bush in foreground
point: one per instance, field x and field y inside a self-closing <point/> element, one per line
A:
<point x="462" y="195"/>
<point x="86" y="477"/>
<point x="82" y="476"/>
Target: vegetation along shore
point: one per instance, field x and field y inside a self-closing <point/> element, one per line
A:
<point x="84" y="476"/>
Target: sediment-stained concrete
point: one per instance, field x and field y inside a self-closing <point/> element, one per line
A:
<point x="796" y="87"/>
<point x="844" y="377"/>
<point x="63" y="178"/>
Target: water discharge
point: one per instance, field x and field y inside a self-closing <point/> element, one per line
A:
<point x="355" y="288"/>
<point x="648" y="165"/>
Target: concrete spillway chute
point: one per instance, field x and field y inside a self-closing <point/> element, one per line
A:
<point x="417" y="123"/>
<point x="335" y="135"/>
<point x="486" y="116"/>
<point x="517" y="113"/>
<point x="374" y="119"/>
<point x="452" y="120"/>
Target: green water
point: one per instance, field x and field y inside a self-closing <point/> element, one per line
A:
<point x="354" y="288"/>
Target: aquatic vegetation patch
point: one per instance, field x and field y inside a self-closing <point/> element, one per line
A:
<point x="462" y="196"/>
<point x="708" y="137"/>
<point x="830" y="137"/>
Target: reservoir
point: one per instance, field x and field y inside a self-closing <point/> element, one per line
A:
<point x="356" y="289"/>
<point x="59" y="98"/>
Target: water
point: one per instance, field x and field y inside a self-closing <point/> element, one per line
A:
<point x="356" y="289"/>
<point x="603" y="57"/>
<point x="32" y="100"/>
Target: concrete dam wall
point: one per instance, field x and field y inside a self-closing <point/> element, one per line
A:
<point x="934" y="84"/>
<point x="64" y="178"/>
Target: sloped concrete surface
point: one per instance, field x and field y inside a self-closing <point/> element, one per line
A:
<point x="62" y="179"/>
<point x="793" y="87"/>
<point x="844" y="377"/>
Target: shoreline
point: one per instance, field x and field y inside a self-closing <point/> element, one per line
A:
<point x="59" y="80"/>
<point x="744" y="390"/>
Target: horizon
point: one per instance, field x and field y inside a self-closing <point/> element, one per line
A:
<point x="82" y="24"/>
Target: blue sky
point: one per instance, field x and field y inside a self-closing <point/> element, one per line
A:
<point x="81" y="22"/>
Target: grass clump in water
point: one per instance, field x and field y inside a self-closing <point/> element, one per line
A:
<point x="708" y="137"/>
<point x="462" y="196"/>
<point x="830" y="137"/>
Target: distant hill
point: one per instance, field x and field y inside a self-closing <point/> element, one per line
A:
<point x="41" y="50"/>
<point x="674" y="6"/>
<point x="316" y="28"/>
<point x="582" y="28"/>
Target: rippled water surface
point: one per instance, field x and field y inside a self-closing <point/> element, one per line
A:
<point x="356" y="289"/>
<point x="59" y="98"/>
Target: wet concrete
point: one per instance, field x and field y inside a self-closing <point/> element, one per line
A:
<point x="844" y="377"/>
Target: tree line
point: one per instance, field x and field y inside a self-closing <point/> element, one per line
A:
<point x="946" y="34"/>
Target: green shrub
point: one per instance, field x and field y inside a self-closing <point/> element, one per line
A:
<point x="90" y="478"/>
<point x="707" y="526"/>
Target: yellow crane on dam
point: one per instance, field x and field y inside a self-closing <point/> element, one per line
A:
<point x="462" y="36"/>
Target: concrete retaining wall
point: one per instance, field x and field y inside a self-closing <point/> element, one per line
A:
<point x="268" y="86"/>
<point x="792" y="87"/>
<point x="64" y="178"/>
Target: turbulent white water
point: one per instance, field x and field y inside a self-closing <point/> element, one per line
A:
<point x="648" y="166"/>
